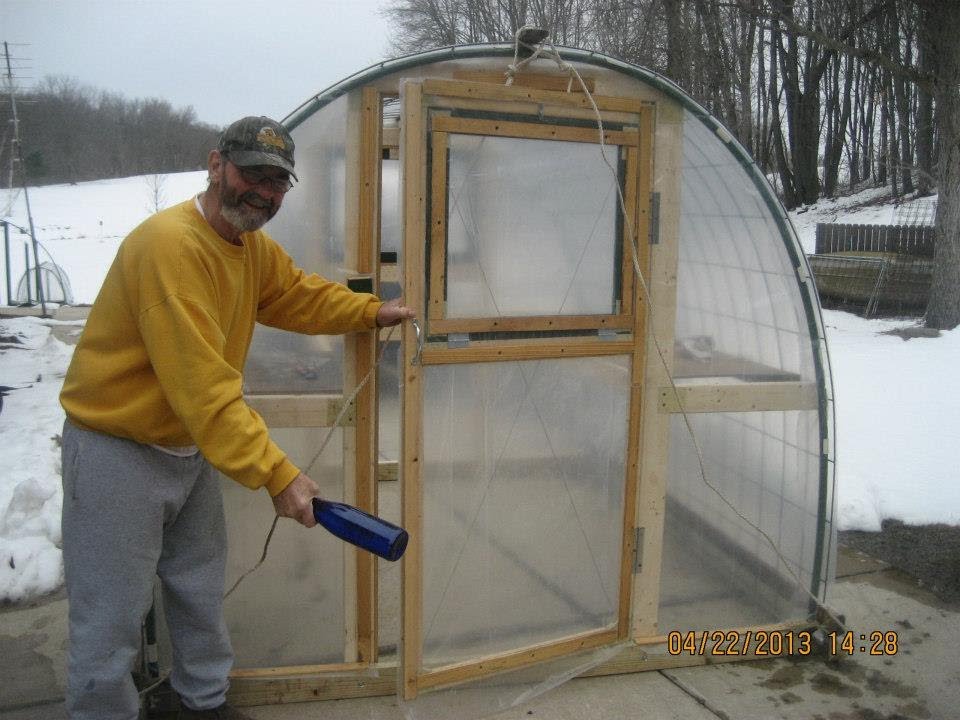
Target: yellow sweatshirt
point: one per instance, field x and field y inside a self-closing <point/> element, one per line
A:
<point x="161" y="358"/>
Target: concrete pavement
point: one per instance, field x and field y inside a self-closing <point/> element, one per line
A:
<point x="920" y="681"/>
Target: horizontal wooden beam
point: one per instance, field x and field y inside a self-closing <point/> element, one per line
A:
<point x="274" y="686"/>
<point x="336" y="684"/>
<point x="441" y="354"/>
<point x="532" y="131"/>
<point x="300" y="411"/>
<point x="512" y="93"/>
<point x="388" y="471"/>
<point x="739" y="397"/>
<point x="533" y="323"/>
<point x="391" y="137"/>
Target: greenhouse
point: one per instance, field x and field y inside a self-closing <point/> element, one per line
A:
<point x="611" y="427"/>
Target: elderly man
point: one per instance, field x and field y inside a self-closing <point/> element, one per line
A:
<point x="154" y="405"/>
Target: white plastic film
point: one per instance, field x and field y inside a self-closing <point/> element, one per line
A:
<point x="718" y="569"/>
<point x="740" y="311"/>
<point x="312" y="228"/>
<point x="505" y="690"/>
<point x="290" y="611"/>
<point x="531" y="228"/>
<point x="523" y="482"/>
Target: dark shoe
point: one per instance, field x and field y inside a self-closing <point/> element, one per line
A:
<point x="224" y="712"/>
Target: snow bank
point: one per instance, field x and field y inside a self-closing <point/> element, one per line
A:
<point x="33" y="362"/>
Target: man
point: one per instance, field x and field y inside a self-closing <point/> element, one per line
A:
<point x="154" y="405"/>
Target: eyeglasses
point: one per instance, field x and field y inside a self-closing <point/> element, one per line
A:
<point x="278" y="183"/>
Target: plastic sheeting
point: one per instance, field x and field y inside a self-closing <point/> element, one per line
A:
<point x="291" y="610"/>
<point x="740" y="318"/>
<point x="531" y="228"/>
<point x="739" y="309"/>
<point x="719" y="571"/>
<point x="506" y="690"/>
<point x="524" y="467"/>
<point x="312" y="227"/>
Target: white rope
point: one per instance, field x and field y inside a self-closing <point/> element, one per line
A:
<point x="553" y="54"/>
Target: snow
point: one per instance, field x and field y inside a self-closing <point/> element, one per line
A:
<point x="896" y="399"/>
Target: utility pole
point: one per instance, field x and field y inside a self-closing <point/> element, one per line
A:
<point x="18" y="149"/>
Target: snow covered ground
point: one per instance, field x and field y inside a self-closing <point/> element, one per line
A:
<point x="897" y="409"/>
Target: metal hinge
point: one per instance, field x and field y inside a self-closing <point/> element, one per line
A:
<point x="638" y="551"/>
<point x="654" y="236"/>
<point x="458" y="340"/>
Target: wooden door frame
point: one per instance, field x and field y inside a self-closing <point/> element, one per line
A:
<point x="418" y="181"/>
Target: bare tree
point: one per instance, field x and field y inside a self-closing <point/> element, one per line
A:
<point x="867" y="86"/>
<point x="72" y="132"/>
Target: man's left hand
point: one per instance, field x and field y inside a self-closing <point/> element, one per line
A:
<point x="393" y="312"/>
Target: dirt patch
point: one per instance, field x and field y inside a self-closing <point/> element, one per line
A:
<point x="913" y="331"/>
<point x="928" y="553"/>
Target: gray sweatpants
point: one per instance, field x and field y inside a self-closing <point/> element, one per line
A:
<point x="131" y="512"/>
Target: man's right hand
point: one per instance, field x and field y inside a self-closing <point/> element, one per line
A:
<point x="296" y="500"/>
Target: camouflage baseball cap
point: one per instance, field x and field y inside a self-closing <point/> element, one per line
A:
<point x="257" y="140"/>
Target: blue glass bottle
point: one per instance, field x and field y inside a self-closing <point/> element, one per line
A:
<point x="361" y="529"/>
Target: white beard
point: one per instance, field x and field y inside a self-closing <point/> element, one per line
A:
<point x="243" y="218"/>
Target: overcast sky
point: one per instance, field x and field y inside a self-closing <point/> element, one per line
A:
<point x="225" y="58"/>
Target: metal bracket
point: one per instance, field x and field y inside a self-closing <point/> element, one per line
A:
<point x="607" y="334"/>
<point x="638" y="551"/>
<point x="458" y="340"/>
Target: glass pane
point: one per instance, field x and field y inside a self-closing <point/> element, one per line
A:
<point x="531" y="228"/>
<point x="523" y="485"/>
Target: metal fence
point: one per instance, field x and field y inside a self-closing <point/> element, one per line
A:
<point x="874" y="269"/>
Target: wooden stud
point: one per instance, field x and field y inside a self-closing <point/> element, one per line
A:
<point x="629" y="233"/>
<point x="368" y="255"/>
<point x="352" y="350"/>
<point x="484" y="91"/>
<point x="438" y="226"/>
<point x="337" y="684"/>
<point x="536" y="111"/>
<point x="530" y="324"/>
<point x="388" y="471"/>
<point x="413" y="144"/>
<point x="390" y="138"/>
<point x="740" y="397"/>
<point x="661" y="281"/>
<point x="638" y="170"/>
<point x="511" y="350"/>
<point x="531" y="131"/>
